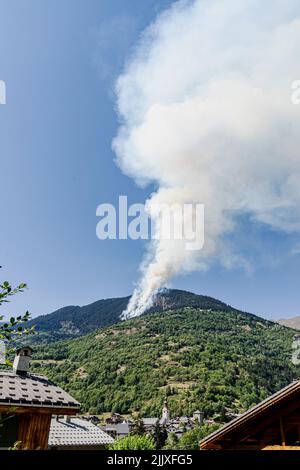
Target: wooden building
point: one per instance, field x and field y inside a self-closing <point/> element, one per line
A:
<point x="27" y="402"/>
<point x="273" y="424"/>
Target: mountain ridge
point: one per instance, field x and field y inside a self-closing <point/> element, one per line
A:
<point x="293" y="322"/>
<point x="73" y="320"/>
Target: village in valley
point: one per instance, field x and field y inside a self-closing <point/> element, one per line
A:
<point x="46" y="417"/>
<point x="118" y="426"/>
<point x="37" y="414"/>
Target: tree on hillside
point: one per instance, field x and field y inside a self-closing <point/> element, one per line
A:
<point x="133" y="442"/>
<point x="138" y="428"/>
<point x="159" y="435"/>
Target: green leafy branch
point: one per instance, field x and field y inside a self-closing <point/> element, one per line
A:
<point x="14" y="327"/>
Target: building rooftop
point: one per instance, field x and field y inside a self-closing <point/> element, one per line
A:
<point x="269" y="405"/>
<point x="118" y="428"/>
<point x="76" y="432"/>
<point x="150" y="421"/>
<point x="33" y="390"/>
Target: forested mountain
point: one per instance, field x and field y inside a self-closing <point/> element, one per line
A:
<point x="214" y="360"/>
<point x="74" y="321"/>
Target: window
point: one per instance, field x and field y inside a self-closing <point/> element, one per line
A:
<point x="9" y="425"/>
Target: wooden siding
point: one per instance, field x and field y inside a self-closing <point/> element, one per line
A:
<point x="17" y="409"/>
<point x="34" y="424"/>
<point x="34" y="431"/>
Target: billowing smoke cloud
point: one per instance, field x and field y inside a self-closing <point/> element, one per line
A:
<point x="206" y="114"/>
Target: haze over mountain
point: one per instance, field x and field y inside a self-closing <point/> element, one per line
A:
<point x="293" y="322"/>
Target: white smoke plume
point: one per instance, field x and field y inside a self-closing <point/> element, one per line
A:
<point x="206" y="114"/>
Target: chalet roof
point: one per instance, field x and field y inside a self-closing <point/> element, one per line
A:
<point x="119" y="428"/>
<point x="150" y="421"/>
<point x="76" y="432"/>
<point x="264" y="406"/>
<point x="123" y="428"/>
<point x="33" y="390"/>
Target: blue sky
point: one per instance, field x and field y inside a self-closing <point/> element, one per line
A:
<point x="59" y="60"/>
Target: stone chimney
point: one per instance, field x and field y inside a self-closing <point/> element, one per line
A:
<point x="22" y="360"/>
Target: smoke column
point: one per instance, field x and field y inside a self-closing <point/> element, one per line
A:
<point x="206" y="114"/>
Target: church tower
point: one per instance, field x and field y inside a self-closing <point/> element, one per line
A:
<point x="165" y="413"/>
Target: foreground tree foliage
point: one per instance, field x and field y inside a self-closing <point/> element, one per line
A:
<point x="133" y="442"/>
<point x="190" y="440"/>
<point x="13" y="328"/>
<point x="172" y="442"/>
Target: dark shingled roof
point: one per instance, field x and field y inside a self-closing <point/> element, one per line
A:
<point x="33" y="390"/>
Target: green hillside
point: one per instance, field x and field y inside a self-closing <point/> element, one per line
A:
<point x="210" y="360"/>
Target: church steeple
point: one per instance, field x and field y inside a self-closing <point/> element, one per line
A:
<point x="165" y="413"/>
